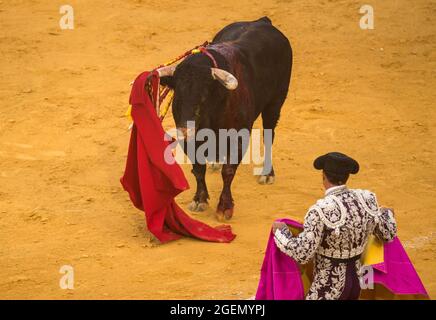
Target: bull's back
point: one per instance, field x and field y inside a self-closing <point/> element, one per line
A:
<point x="266" y="55"/>
<point x="236" y="30"/>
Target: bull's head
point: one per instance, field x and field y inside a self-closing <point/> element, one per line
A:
<point x="196" y="88"/>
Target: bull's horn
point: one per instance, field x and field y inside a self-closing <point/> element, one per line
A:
<point x="166" y="71"/>
<point x="227" y="79"/>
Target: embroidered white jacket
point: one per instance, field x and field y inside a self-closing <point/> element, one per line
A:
<point x="337" y="226"/>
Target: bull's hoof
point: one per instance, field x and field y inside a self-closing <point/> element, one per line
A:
<point x="214" y="166"/>
<point x="227" y="214"/>
<point x="197" y="206"/>
<point x="267" y="179"/>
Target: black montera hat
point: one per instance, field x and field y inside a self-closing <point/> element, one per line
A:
<point x="337" y="163"/>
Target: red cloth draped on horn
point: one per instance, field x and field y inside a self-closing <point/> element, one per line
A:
<point x="152" y="182"/>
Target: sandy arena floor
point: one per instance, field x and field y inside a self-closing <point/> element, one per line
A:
<point x="63" y="139"/>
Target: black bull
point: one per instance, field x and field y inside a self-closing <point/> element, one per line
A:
<point x="259" y="56"/>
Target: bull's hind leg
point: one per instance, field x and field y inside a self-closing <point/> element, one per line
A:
<point x="199" y="203"/>
<point x="270" y="117"/>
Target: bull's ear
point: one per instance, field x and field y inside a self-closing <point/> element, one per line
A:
<point x="227" y="79"/>
<point x="168" y="81"/>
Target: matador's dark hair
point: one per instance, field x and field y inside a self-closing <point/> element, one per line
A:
<point x="337" y="178"/>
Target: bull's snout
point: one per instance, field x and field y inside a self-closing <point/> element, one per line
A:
<point x="186" y="133"/>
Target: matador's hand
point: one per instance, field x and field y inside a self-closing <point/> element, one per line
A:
<point x="278" y="225"/>
<point x="388" y="209"/>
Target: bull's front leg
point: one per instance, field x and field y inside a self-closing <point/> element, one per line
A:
<point x="199" y="203"/>
<point x="225" y="204"/>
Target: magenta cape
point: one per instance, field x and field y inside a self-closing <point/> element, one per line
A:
<point x="281" y="276"/>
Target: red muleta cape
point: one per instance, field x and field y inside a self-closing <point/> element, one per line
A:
<point x="151" y="182"/>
